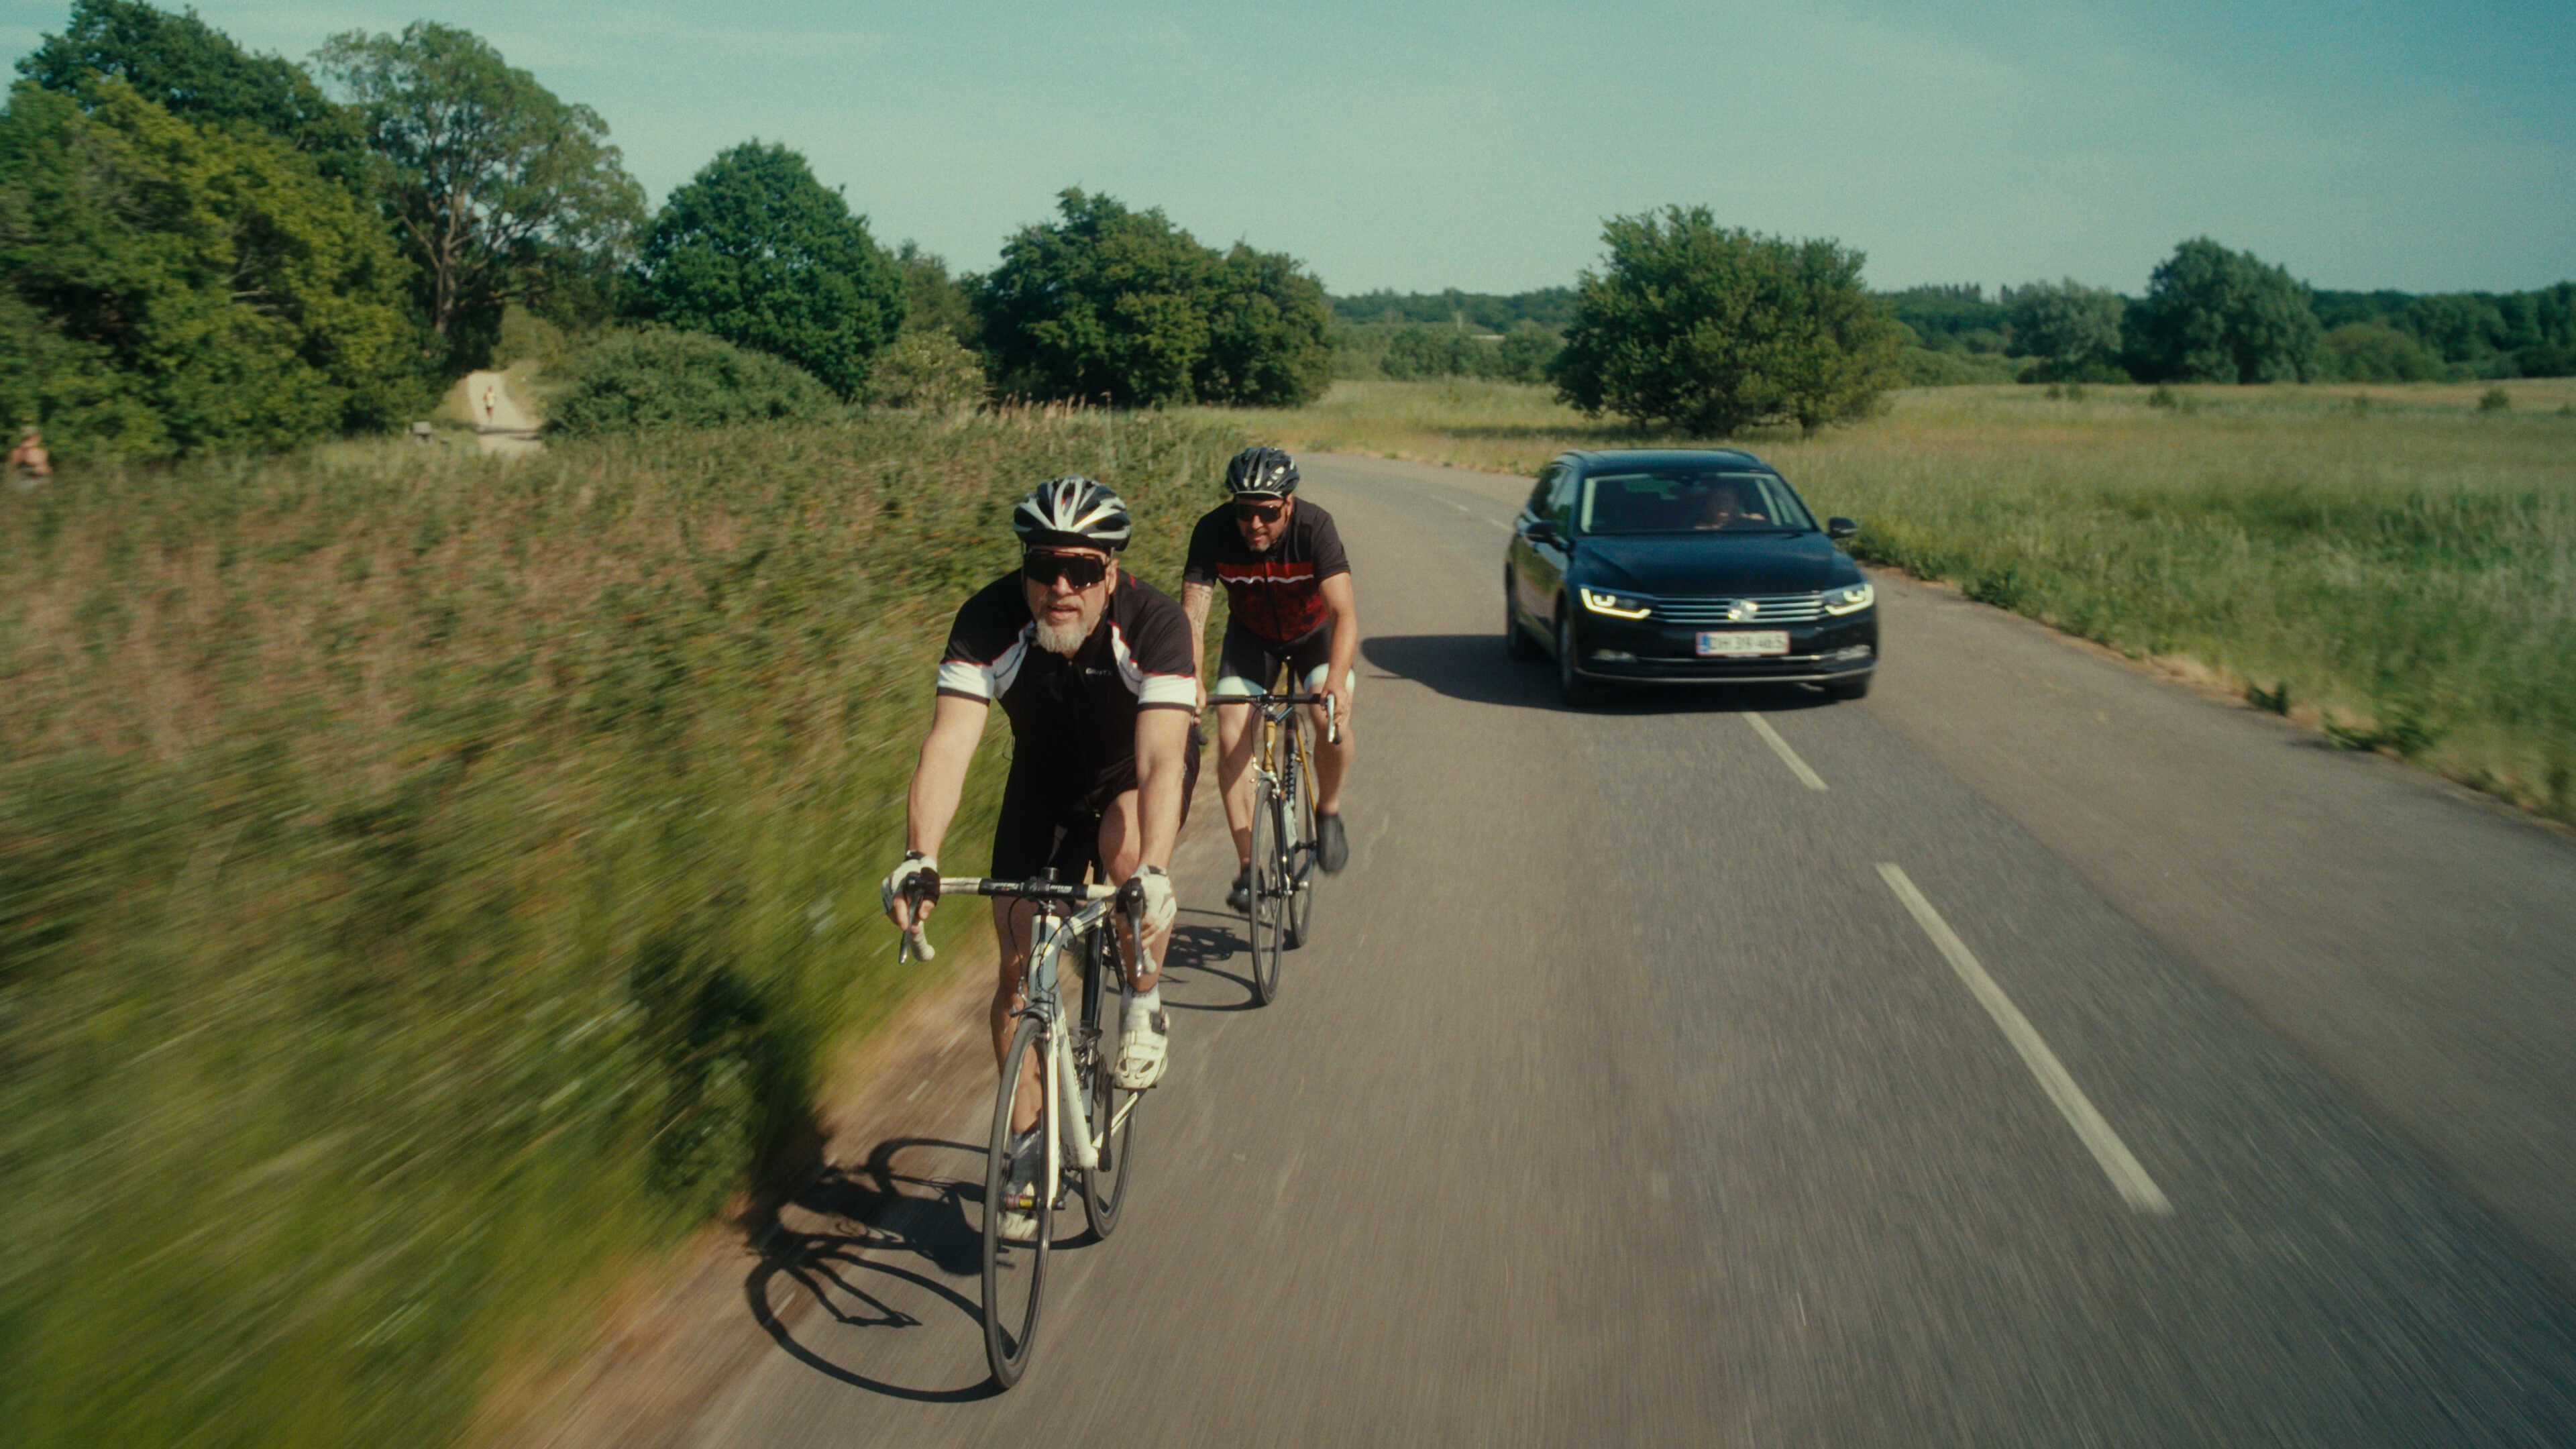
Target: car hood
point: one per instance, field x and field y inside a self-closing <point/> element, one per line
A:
<point x="1731" y="564"/>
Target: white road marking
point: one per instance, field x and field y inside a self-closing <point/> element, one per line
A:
<point x="1788" y="756"/>
<point x="2122" y="1168"/>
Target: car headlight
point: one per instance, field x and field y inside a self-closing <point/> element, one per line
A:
<point x="1618" y="606"/>
<point x="1850" y="598"/>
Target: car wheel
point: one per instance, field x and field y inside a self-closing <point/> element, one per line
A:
<point x="1571" y="687"/>
<point x="1849" y="688"/>
<point x="1516" y="640"/>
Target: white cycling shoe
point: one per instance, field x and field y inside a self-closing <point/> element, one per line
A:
<point x="1144" y="1047"/>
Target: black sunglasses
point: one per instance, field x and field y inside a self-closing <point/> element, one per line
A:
<point x="1266" y="512"/>
<point x="1077" y="570"/>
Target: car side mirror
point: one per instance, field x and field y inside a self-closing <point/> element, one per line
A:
<point x="1545" y="530"/>
<point x="1841" y="527"/>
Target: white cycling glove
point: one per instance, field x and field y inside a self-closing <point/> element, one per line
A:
<point x="914" y="863"/>
<point x="1160" y="904"/>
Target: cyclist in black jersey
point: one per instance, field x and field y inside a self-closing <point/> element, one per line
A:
<point x="1094" y="668"/>
<point x="1289" y="600"/>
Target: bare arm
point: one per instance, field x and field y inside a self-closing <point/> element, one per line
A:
<point x="956" y="728"/>
<point x="1162" y="746"/>
<point x="1195" y="599"/>
<point x="1345" y="605"/>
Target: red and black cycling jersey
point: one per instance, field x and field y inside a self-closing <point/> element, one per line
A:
<point x="1276" y="595"/>
<point x="1075" y="717"/>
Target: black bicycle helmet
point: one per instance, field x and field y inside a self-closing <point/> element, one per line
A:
<point x="1261" y="473"/>
<point x="1072" y="512"/>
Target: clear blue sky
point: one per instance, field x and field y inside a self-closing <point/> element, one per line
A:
<point x="2363" y="143"/>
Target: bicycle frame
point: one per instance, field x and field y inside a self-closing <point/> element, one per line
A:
<point x="1052" y="934"/>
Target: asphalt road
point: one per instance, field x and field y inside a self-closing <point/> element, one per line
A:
<point x="2033" y="1053"/>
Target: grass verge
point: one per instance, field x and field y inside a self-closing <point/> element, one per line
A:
<point x="2393" y="563"/>
<point x="425" y="882"/>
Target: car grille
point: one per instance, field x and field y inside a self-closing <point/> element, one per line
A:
<point x="1768" y="609"/>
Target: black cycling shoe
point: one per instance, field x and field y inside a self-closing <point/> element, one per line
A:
<point x="1332" y="845"/>
<point x="1239" y="899"/>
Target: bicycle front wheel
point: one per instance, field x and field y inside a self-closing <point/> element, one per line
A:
<point x="1301" y="836"/>
<point x="1269" y="894"/>
<point x="1113" y="1108"/>
<point x="1015" y="1269"/>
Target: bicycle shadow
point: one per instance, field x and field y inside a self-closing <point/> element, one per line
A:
<point x="1473" y="667"/>
<point x="877" y="1246"/>
<point x="1190" y="961"/>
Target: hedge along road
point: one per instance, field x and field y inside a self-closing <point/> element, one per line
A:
<point x="2032" y="1053"/>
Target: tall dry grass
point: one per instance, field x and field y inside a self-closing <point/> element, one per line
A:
<point x="424" y="881"/>
<point x="2395" y="563"/>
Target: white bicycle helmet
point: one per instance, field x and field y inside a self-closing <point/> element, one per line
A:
<point x="1072" y="512"/>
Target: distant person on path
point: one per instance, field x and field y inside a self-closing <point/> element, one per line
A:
<point x="1288" y="588"/>
<point x="29" y="463"/>
<point x="491" y="403"/>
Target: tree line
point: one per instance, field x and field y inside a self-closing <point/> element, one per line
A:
<point x="2211" y="314"/>
<point x="204" y="249"/>
<point x="207" y="249"/>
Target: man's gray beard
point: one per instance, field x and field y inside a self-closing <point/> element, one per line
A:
<point x="1062" y="638"/>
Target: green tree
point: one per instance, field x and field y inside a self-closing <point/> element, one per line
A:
<point x="2375" y="352"/>
<point x="2071" y="329"/>
<point x="756" y="251"/>
<point x="197" y="73"/>
<point x="1268" y="326"/>
<point x="498" y="190"/>
<point x="166" y="288"/>
<point x="933" y="301"/>
<point x="1121" y="306"/>
<point x="2215" y="315"/>
<point x="2459" y="326"/>
<point x="1710" y="329"/>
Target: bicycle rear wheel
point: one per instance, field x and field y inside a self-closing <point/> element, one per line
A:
<point x="1113" y="1108"/>
<point x="1301" y="834"/>
<point x="1014" y="1272"/>
<point x="1269" y="894"/>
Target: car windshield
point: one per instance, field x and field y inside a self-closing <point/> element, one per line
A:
<point x="1691" y="501"/>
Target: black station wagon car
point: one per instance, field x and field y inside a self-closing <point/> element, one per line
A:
<point x="1684" y="566"/>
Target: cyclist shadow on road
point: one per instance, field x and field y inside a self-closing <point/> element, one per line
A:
<point x="1191" y="969"/>
<point x="888" y="1243"/>
<point x="1474" y="668"/>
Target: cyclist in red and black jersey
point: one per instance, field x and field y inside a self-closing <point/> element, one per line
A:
<point x="1095" y="670"/>
<point x="1288" y="593"/>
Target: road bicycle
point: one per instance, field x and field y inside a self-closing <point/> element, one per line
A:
<point x="1283" y="831"/>
<point x="1086" y="1121"/>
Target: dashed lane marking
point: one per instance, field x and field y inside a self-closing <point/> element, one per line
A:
<point x="2117" y="1162"/>
<point x="1788" y="756"/>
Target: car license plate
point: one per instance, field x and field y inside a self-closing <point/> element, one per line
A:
<point x="1732" y="642"/>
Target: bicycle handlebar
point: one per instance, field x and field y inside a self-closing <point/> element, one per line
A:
<point x="929" y="886"/>
<point x="1332" y="725"/>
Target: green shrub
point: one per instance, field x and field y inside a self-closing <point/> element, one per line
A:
<point x="927" y="371"/>
<point x="659" y="378"/>
<point x="2494" y="400"/>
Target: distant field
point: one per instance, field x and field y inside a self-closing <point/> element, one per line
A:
<point x="2391" y="562"/>
<point x="428" y="881"/>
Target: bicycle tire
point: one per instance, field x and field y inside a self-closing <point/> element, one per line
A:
<point x="1113" y="1108"/>
<point x="1269" y="895"/>
<point x="1301" y="835"/>
<point x="1015" y="1268"/>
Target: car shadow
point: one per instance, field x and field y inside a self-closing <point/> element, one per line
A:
<point x="1473" y="667"/>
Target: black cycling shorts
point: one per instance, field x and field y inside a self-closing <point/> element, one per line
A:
<point x="1043" y="826"/>
<point x="1247" y="664"/>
